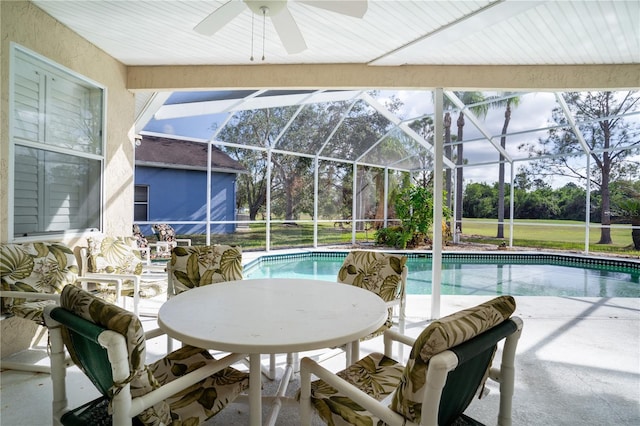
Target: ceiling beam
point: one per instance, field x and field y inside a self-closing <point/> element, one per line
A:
<point x="358" y="76"/>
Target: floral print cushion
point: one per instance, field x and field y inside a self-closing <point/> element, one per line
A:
<point x="36" y="267"/>
<point x="439" y="336"/>
<point x="164" y="232"/>
<point x="380" y="376"/>
<point x="195" y="266"/>
<point x="204" y="399"/>
<point x="113" y="317"/>
<point x="141" y="240"/>
<point x="32" y="310"/>
<point x="191" y="406"/>
<point x="375" y="374"/>
<point x="113" y="255"/>
<point x="382" y="273"/>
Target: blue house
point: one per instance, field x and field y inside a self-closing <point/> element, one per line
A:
<point x="171" y="185"/>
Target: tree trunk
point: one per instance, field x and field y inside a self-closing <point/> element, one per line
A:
<point x="380" y="200"/>
<point x="635" y="234"/>
<point x="605" y="213"/>
<point x="447" y="154"/>
<point x="459" y="174"/>
<point x="503" y="144"/>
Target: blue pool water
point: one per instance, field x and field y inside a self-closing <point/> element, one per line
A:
<point x="518" y="275"/>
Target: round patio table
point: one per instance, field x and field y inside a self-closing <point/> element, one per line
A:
<point x="269" y="316"/>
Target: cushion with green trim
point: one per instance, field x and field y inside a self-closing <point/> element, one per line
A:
<point x="439" y="336"/>
<point x="113" y="317"/>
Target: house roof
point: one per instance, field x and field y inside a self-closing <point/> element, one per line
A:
<point x="183" y="154"/>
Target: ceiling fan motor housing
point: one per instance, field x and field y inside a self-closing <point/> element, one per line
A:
<point x="273" y="7"/>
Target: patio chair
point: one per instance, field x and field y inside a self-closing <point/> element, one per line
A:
<point x="449" y="364"/>
<point x="196" y="266"/>
<point x="167" y="239"/>
<point x="118" y="257"/>
<point x="33" y="275"/>
<point x="142" y="243"/>
<point x="145" y="248"/>
<point x="108" y="344"/>
<point x="385" y="274"/>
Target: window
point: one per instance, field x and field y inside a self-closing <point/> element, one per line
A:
<point x="141" y="203"/>
<point x="56" y="135"/>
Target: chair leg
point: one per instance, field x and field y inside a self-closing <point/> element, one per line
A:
<point x="58" y="374"/>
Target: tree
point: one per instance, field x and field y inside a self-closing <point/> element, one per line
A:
<point x="571" y="202"/>
<point x="480" y="109"/>
<point x="359" y="131"/>
<point x="508" y="103"/>
<point x="258" y="128"/>
<point x="626" y="207"/>
<point x="479" y="200"/>
<point x="609" y="140"/>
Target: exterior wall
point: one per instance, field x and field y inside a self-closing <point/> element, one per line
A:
<point x="25" y="24"/>
<point x="181" y="195"/>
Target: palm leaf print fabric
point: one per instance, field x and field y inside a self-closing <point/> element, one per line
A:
<point x="380" y="376"/>
<point x="197" y="266"/>
<point x="35" y="267"/>
<point x="381" y="273"/>
<point x="191" y="406"/>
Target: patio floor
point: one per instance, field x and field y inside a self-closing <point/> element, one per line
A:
<point x="578" y="362"/>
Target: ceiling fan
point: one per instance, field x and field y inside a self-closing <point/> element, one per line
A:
<point x="283" y="21"/>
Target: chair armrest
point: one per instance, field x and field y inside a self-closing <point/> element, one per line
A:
<point x="30" y="295"/>
<point x="153" y="333"/>
<point x="309" y="367"/>
<point x="181" y="383"/>
<point x="183" y="240"/>
<point x="391" y="336"/>
<point x="99" y="279"/>
<point x="155" y="269"/>
<point x="109" y="278"/>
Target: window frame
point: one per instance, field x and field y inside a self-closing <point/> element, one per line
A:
<point x="51" y="67"/>
<point x="138" y="203"/>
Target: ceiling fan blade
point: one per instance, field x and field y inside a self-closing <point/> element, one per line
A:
<point x="220" y="17"/>
<point x="355" y="8"/>
<point x="288" y="32"/>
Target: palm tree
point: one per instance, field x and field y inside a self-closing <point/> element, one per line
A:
<point x="508" y="103"/>
<point x="480" y="109"/>
<point x="447" y="154"/>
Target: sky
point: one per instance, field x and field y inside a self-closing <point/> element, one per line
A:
<point x="533" y="112"/>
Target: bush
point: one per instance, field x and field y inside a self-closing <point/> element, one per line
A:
<point x="414" y="207"/>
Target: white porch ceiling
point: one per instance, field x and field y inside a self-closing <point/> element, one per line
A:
<point x="419" y="32"/>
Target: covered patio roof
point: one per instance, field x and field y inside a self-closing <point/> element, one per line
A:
<point x="400" y="142"/>
<point x="349" y="49"/>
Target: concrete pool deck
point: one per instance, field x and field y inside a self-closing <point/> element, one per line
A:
<point x="578" y="362"/>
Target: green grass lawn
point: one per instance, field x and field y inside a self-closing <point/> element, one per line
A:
<point x="551" y="234"/>
<point x="556" y="234"/>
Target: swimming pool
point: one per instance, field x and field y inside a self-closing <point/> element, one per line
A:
<point x="522" y="274"/>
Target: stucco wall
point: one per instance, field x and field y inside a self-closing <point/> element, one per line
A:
<point x="28" y="26"/>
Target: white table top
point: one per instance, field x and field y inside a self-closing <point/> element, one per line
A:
<point x="272" y="315"/>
